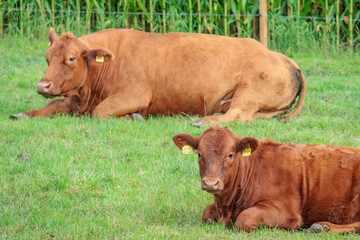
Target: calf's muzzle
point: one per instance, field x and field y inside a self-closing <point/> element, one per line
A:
<point x="212" y="184"/>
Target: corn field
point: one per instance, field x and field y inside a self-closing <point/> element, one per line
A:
<point x="292" y="24"/>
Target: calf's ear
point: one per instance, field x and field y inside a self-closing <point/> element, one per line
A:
<point x="183" y="139"/>
<point x="247" y="145"/>
<point x="98" y="56"/>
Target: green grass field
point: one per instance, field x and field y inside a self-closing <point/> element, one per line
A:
<point x="85" y="178"/>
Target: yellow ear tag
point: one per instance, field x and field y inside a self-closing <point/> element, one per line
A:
<point x="187" y="149"/>
<point x="99" y="59"/>
<point x="246" y="152"/>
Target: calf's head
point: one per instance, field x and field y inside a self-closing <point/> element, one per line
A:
<point x="219" y="151"/>
<point x="69" y="60"/>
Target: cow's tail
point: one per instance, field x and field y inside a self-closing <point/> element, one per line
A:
<point x="301" y="93"/>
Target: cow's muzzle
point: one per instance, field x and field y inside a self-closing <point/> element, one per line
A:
<point x="45" y="88"/>
<point x="212" y="184"/>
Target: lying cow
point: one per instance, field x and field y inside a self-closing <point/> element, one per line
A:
<point x="117" y="72"/>
<point x="267" y="183"/>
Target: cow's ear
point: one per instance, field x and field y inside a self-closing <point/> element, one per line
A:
<point x="246" y="146"/>
<point x="52" y="36"/>
<point x="183" y="139"/>
<point x="98" y="56"/>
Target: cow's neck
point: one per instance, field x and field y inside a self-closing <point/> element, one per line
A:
<point x="93" y="91"/>
<point x="238" y="199"/>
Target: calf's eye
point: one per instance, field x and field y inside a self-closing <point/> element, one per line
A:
<point x="198" y="154"/>
<point x="230" y="156"/>
<point x="71" y="59"/>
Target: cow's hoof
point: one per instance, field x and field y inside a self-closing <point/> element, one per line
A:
<point x="137" y="116"/>
<point x="317" y="228"/>
<point x="326" y="228"/>
<point x="133" y="116"/>
<point x="198" y="123"/>
<point x="18" y="116"/>
<point x="217" y="114"/>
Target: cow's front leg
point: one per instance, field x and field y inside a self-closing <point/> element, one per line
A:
<point x="253" y="217"/>
<point x="56" y="106"/>
<point x="119" y="105"/>
<point x="331" y="227"/>
<point x="210" y="214"/>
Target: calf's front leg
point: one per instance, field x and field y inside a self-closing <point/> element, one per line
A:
<point x="210" y="214"/>
<point x="56" y="106"/>
<point x="251" y="218"/>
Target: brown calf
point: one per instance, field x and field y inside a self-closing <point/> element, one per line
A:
<point x="267" y="183"/>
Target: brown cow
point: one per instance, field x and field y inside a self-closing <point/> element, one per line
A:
<point x="267" y="183"/>
<point x="116" y="72"/>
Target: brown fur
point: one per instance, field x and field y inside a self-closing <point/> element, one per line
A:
<point x="284" y="185"/>
<point x="168" y="74"/>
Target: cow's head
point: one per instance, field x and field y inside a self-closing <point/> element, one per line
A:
<point x="218" y="150"/>
<point x="69" y="60"/>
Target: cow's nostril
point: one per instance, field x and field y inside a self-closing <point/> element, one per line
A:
<point x="47" y="86"/>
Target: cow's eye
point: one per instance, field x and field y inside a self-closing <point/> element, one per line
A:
<point x="198" y="154"/>
<point x="230" y="156"/>
<point x="71" y="59"/>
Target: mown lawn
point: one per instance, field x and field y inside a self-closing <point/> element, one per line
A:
<point x="68" y="177"/>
